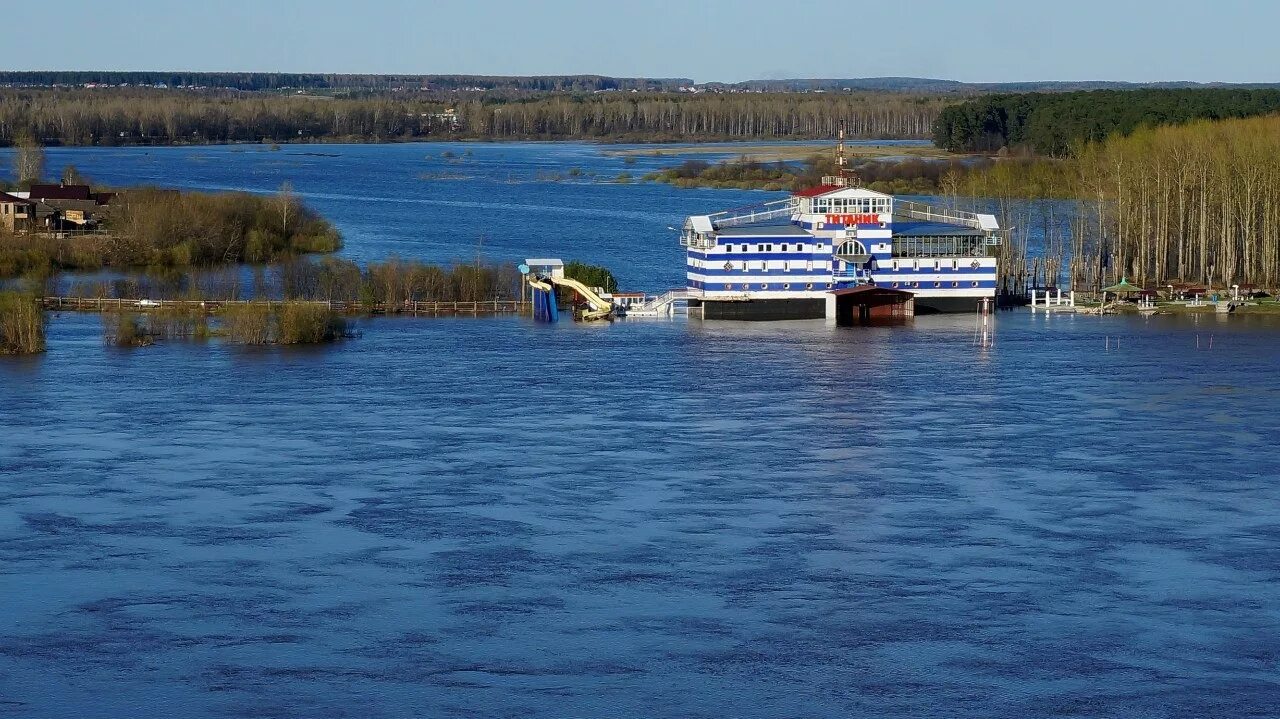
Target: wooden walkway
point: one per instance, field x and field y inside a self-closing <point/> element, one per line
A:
<point x="431" y="309"/>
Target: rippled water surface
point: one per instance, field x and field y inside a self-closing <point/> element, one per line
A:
<point x="650" y="518"/>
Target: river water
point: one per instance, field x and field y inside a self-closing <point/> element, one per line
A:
<point x="462" y="517"/>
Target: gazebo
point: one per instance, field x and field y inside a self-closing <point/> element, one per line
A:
<point x="1122" y="288"/>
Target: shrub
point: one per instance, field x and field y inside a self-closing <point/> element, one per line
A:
<point x="21" y="324"/>
<point x="248" y="324"/>
<point x="125" y="329"/>
<point x="309" y="323"/>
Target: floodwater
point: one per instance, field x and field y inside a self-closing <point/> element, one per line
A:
<point x="494" y="518"/>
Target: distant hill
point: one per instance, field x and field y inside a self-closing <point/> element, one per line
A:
<point x="319" y="82"/>
<point x="944" y="87"/>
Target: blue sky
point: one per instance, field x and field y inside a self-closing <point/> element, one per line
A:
<point x="728" y="40"/>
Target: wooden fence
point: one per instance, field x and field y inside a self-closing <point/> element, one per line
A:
<point x="434" y="309"/>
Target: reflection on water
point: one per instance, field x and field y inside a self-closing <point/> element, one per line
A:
<point x="460" y="517"/>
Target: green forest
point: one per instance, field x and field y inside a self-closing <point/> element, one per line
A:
<point x="1055" y="123"/>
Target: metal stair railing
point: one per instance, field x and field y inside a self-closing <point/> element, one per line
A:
<point x="664" y="300"/>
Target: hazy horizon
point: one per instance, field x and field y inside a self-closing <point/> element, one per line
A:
<point x="986" y="41"/>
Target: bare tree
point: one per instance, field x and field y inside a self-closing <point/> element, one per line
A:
<point x="28" y="163"/>
<point x="286" y="201"/>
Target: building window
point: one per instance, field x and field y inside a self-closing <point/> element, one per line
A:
<point x="768" y="248"/>
<point x="786" y="266"/>
<point x="809" y="286"/>
<point x="759" y="248"/>
<point x="937" y="284"/>
<point x="784" y="248"/>
<point x="809" y="266"/>
<point x="955" y="284"/>
<point x="828" y="285"/>
<point x="764" y="285"/>
<point x="786" y="285"/>
<point x="955" y="264"/>
<point x="973" y="284"/>
<point x="895" y="265"/>
<point x="744" y="248"/>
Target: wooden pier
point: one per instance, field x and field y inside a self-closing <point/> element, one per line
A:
<point x="484" y="308"/>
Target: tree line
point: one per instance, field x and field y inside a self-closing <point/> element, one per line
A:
<point x="275" y="81"/>
<point x="1180" y="204"/>
<point x="147" y="116"/>
<point x="1055" y="123"/>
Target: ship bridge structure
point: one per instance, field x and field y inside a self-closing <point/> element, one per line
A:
<point x="787" y="258"/>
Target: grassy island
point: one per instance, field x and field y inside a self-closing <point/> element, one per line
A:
<point x="153" y="227"/>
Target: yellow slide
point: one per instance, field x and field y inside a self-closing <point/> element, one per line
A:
<point x="600" y="308"/>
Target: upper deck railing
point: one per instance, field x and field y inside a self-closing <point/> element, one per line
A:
<point x="754" y="213"/>
<point x="929" y="213"/>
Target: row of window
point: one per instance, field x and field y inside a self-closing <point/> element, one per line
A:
<point x="938" y="264"/>
<point x="768" y="247"/>
<point x="762" y="265"/>
<point x="916" y="285"/>
<point x="765" y="286"/>
<point x="852" y="205"/>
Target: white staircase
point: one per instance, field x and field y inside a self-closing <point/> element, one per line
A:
<point x="662" y="305"/>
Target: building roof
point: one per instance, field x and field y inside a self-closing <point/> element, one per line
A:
<point x="871" y="290"/>
<point x="933" y="229"/>
<point x="544" y="262"/>
<point x="764" y="231"/>
<point x="61" y="192"/>
<point x="815" y="191"/>
<point x="10" y="199"/>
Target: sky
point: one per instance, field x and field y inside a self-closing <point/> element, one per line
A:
<point x="706" y="40"/>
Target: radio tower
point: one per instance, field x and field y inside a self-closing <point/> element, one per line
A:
<point x="848" y="179"/>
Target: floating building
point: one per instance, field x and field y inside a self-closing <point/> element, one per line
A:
<point x="793" y="258"/>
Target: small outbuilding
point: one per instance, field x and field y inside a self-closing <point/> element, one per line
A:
<point x="868" y="304"/>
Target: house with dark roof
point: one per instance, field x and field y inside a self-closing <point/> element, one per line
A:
<point x="67" y="204"/>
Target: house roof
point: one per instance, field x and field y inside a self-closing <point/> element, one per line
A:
<point x="61" y="192"/>
<point x="10" y="199"/>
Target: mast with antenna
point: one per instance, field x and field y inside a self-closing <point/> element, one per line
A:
<point x="847" y="178"/>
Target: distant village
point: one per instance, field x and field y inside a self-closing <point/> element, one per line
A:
<point x="61" y="209"/>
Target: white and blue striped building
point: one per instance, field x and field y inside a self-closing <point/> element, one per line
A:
<point x="785" y="259"/>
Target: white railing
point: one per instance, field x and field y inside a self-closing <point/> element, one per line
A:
<point x="755" y="213"/>
<point x="665" y="300"/>
<point x="918" y="211"/>
<point x="928" y="213"/>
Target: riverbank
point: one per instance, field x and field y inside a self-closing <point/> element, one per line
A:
<point x="800" y="150"/>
